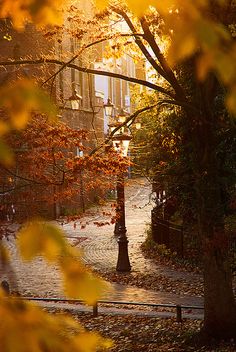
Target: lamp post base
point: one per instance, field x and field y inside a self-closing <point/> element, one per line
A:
<point x="123" y="264"/>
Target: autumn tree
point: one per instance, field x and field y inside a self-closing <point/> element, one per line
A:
<point x="46" y="162"/>
<point x="200" y="143"/>
<point x="47" y="169"/>
<point x="200" y="132"/>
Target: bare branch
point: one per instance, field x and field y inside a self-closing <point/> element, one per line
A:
<point x="12" y="189"/>
<point x="88" y="46"/>
<point x="139" y="42"/>
<point x="149" y="37"/>
<point x="65" y="64"/>
<point x="130" y="118"/>
<point x="30" y="180"/>
<point x="92" y="71"/>
<point x="182" y="104"/>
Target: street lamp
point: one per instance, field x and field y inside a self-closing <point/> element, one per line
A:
<point x="108" y="107"/>
<point x="75" y="100"/>
<point x="120" y="141"/>
<point x="122" y="115"/>
<point x="121" y="145"/>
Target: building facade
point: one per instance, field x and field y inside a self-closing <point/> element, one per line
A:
<point x="92" y="90"/>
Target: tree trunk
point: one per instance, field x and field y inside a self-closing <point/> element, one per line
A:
<point x="220" y="310"/>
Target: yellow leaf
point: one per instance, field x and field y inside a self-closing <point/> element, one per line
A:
<point x="6" y="155"/>
<point x="186" y="48"/>
<point x="54" y="242"/>
<point x="38" y="237"/>
<point x="101" y="4"/>
<point x="40" y="12"/>
<point x="34" y="330"/>
<point x="138" y="10"/>
<point x="41" y="238"/>
<point x="206" y="33"/>
<point x="30" y="240"/>
<point x="4" y="127"/>
<point x="80" y="283"/>
<point x="204" y="64"/>
<point x="20" y="118"/>
<point x="4" y="254"/>
<point x="231" y="100"/>
<point x="21" y="98"/>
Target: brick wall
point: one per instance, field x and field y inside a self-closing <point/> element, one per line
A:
<point x="31" y="44"/>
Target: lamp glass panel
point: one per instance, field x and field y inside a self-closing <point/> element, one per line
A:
<point x="122" y="118"/>
<point x="117" y="145"/>
<point x="108" y="110"/>
<point x="125" y="147"/>
<point x="112" y="128"/>
<point x="74" y="104"/>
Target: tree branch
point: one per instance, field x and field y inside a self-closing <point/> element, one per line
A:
<point x="92" y="71"/>
<point x="130" y="118"/>
<point x="180" y="103"/>
<point x="30" y="180"/>
<point x="140" y="43"/>
<point x="164" y="70"/>
<point x="88" y="46"/>
<point x="65" y="64"/>
<point x="9" y="190"/>
<point x="149" y="37"/>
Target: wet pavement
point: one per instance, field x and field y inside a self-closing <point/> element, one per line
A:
<point x="100" y="251"/>
<point x="100" y="244"/>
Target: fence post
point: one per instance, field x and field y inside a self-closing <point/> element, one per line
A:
<point x="182" y="241"/>
<point x="95" y="309"/>
<point x="178" y="313"/>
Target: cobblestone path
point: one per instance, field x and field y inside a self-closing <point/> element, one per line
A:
<point x="100" y="250"/>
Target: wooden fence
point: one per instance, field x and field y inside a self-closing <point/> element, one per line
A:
<point x="169" y="234"/>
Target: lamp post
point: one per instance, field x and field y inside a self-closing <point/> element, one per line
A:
<point x="120" y="141"/>
<point x="75" y="100"/>
<point x="121" y="145"/>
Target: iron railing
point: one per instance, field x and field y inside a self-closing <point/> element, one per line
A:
<point x="178" y="307"/>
